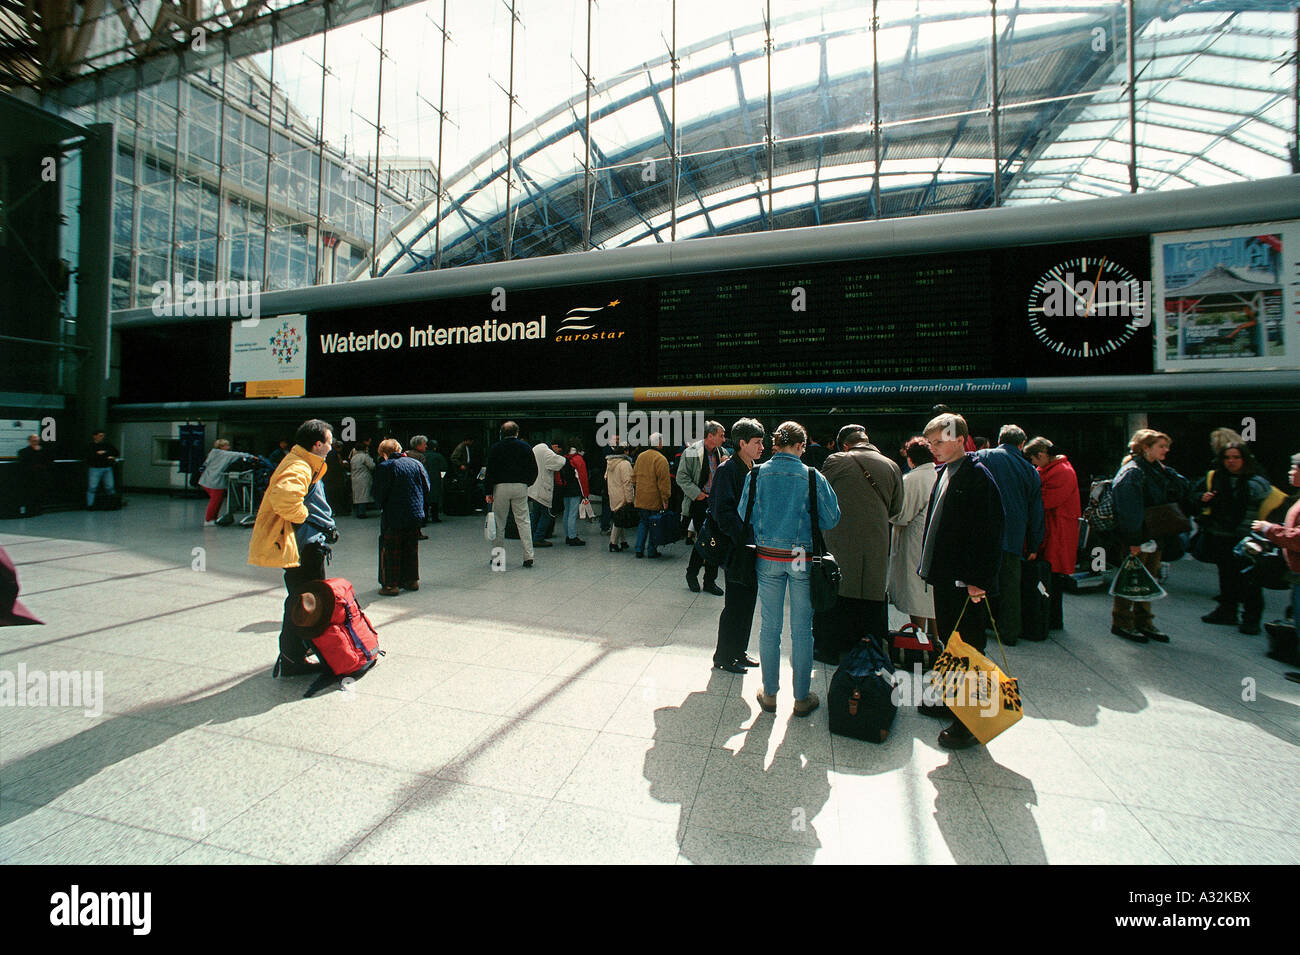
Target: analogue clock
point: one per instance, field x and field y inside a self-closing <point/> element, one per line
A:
<point x="1088" y="307"/>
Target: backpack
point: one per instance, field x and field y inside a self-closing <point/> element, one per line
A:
<point x="349" y="644"/>
<point x="861" y="701"/>
<point x="1100" y="512"/>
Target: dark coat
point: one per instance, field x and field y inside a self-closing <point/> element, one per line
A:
<point x="400" y="486"/>
<point x="969" y="542"/>
<point x="1140" y="484"/>
<point x="436" y="464"/>
<point x="510" y="461"/>
<point x="1022" y="498"/>
<point x="728" y="483"/>
<point x="860" y="541"/>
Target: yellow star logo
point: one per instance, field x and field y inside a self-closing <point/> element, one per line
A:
<point x="613" y="303"/>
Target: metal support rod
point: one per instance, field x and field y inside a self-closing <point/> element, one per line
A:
<point x="770" y="145"/>
<point x="510" y="138"/>
<point x="135" y="190"/>
<point x="172" y="257"/>
<point x="270" y="121"/>
<point x="1295" y="140"/>
<point x="875" y="102"/>
<point x="442" y="121"/>
<point x="223" y="257"/>
<point x="320" y="149"/>
<point x="995" y="104"/>
<point x="1132" y="99"/>
<point x="675" y="144"/>
<point x="379" y="126"/>
<point x="588" y="199"/>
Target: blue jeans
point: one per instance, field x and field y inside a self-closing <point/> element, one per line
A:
<point x="643" y="531"/>
<point x="772" y="579"/>
<point x="543" y="522"/>
<point x="571" y="517"/>
<point x="98" y="477"/>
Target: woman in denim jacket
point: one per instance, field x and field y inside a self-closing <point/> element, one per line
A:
<point x="783" y="531"/>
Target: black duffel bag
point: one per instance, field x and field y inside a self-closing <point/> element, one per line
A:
<point x="861" y="700"/>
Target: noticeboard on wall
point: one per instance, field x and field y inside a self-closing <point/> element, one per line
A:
<point x="268" y="357"/>
<point x="1227" y="298"/>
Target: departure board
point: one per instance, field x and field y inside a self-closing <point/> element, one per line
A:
<point x="951" y="315"/>
<point x="888" y="318"/>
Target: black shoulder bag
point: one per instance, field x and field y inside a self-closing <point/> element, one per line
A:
<point x="824" y="570"/>
<point x="743" y="566"/>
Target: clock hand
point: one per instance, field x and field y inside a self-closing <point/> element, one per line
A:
<point x="1088" y="309"/>
<point x="1072" y="291"/>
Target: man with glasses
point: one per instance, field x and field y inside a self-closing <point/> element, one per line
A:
<point x="700" y="462"/>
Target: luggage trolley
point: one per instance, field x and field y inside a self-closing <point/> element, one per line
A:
<point x="241" y="502"/>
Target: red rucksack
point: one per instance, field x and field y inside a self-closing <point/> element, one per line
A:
<point x="348" y="645"/>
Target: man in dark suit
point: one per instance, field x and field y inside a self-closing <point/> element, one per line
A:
<point x="737" y="617"/>
<point x="962" y="551"/>
<point x="1022" y="533"/>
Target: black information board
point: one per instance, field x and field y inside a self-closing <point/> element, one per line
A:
<point x="973" y="314"/>
<point x="555" y="338"/>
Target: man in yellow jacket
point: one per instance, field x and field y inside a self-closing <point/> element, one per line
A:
<point x="293" y="530"/>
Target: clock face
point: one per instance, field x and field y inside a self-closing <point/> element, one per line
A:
<point x="1088" y="307"/>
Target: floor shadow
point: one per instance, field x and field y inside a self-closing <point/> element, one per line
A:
<point x="741" y="796"/>
<point x="1005" y="800"/>
<point x="39" y="778"/>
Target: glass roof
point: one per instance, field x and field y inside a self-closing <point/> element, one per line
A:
<point x="1212" y="106"/>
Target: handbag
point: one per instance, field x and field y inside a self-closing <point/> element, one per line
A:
<point x="910" y="646"/>
<point x="626" y="517"/>
<point x="824" y="570"/>
<point x="1134" y="582"/>
<point x="743" y="565"/>
<point x="1165" y="520"/>
<point x="984" y="698"/>
<point x="490" y="526"/>
<point x="585" y="511"/>
<point x="711" y="544"/>
<point x="1266" y="564"/>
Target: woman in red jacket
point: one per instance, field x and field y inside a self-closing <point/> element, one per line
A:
<point x="574" y="490"/>
<point x="1061" y="512"/>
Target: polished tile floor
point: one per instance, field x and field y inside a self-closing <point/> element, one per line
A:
<point x="568" y="713"/>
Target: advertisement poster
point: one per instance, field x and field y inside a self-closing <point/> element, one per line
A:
<point x="13" y="436"/>
<point x="1228" y="297"/>
<point x="268" y="358"/>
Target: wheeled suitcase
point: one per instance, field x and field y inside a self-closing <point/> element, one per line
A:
<point x="1035" y="599"/>
<point x="861" y="701"/>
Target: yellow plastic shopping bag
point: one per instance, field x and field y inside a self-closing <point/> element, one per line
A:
<point x="982" y="696"/>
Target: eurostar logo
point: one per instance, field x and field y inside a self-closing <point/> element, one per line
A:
<point x="581" y="325"/>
